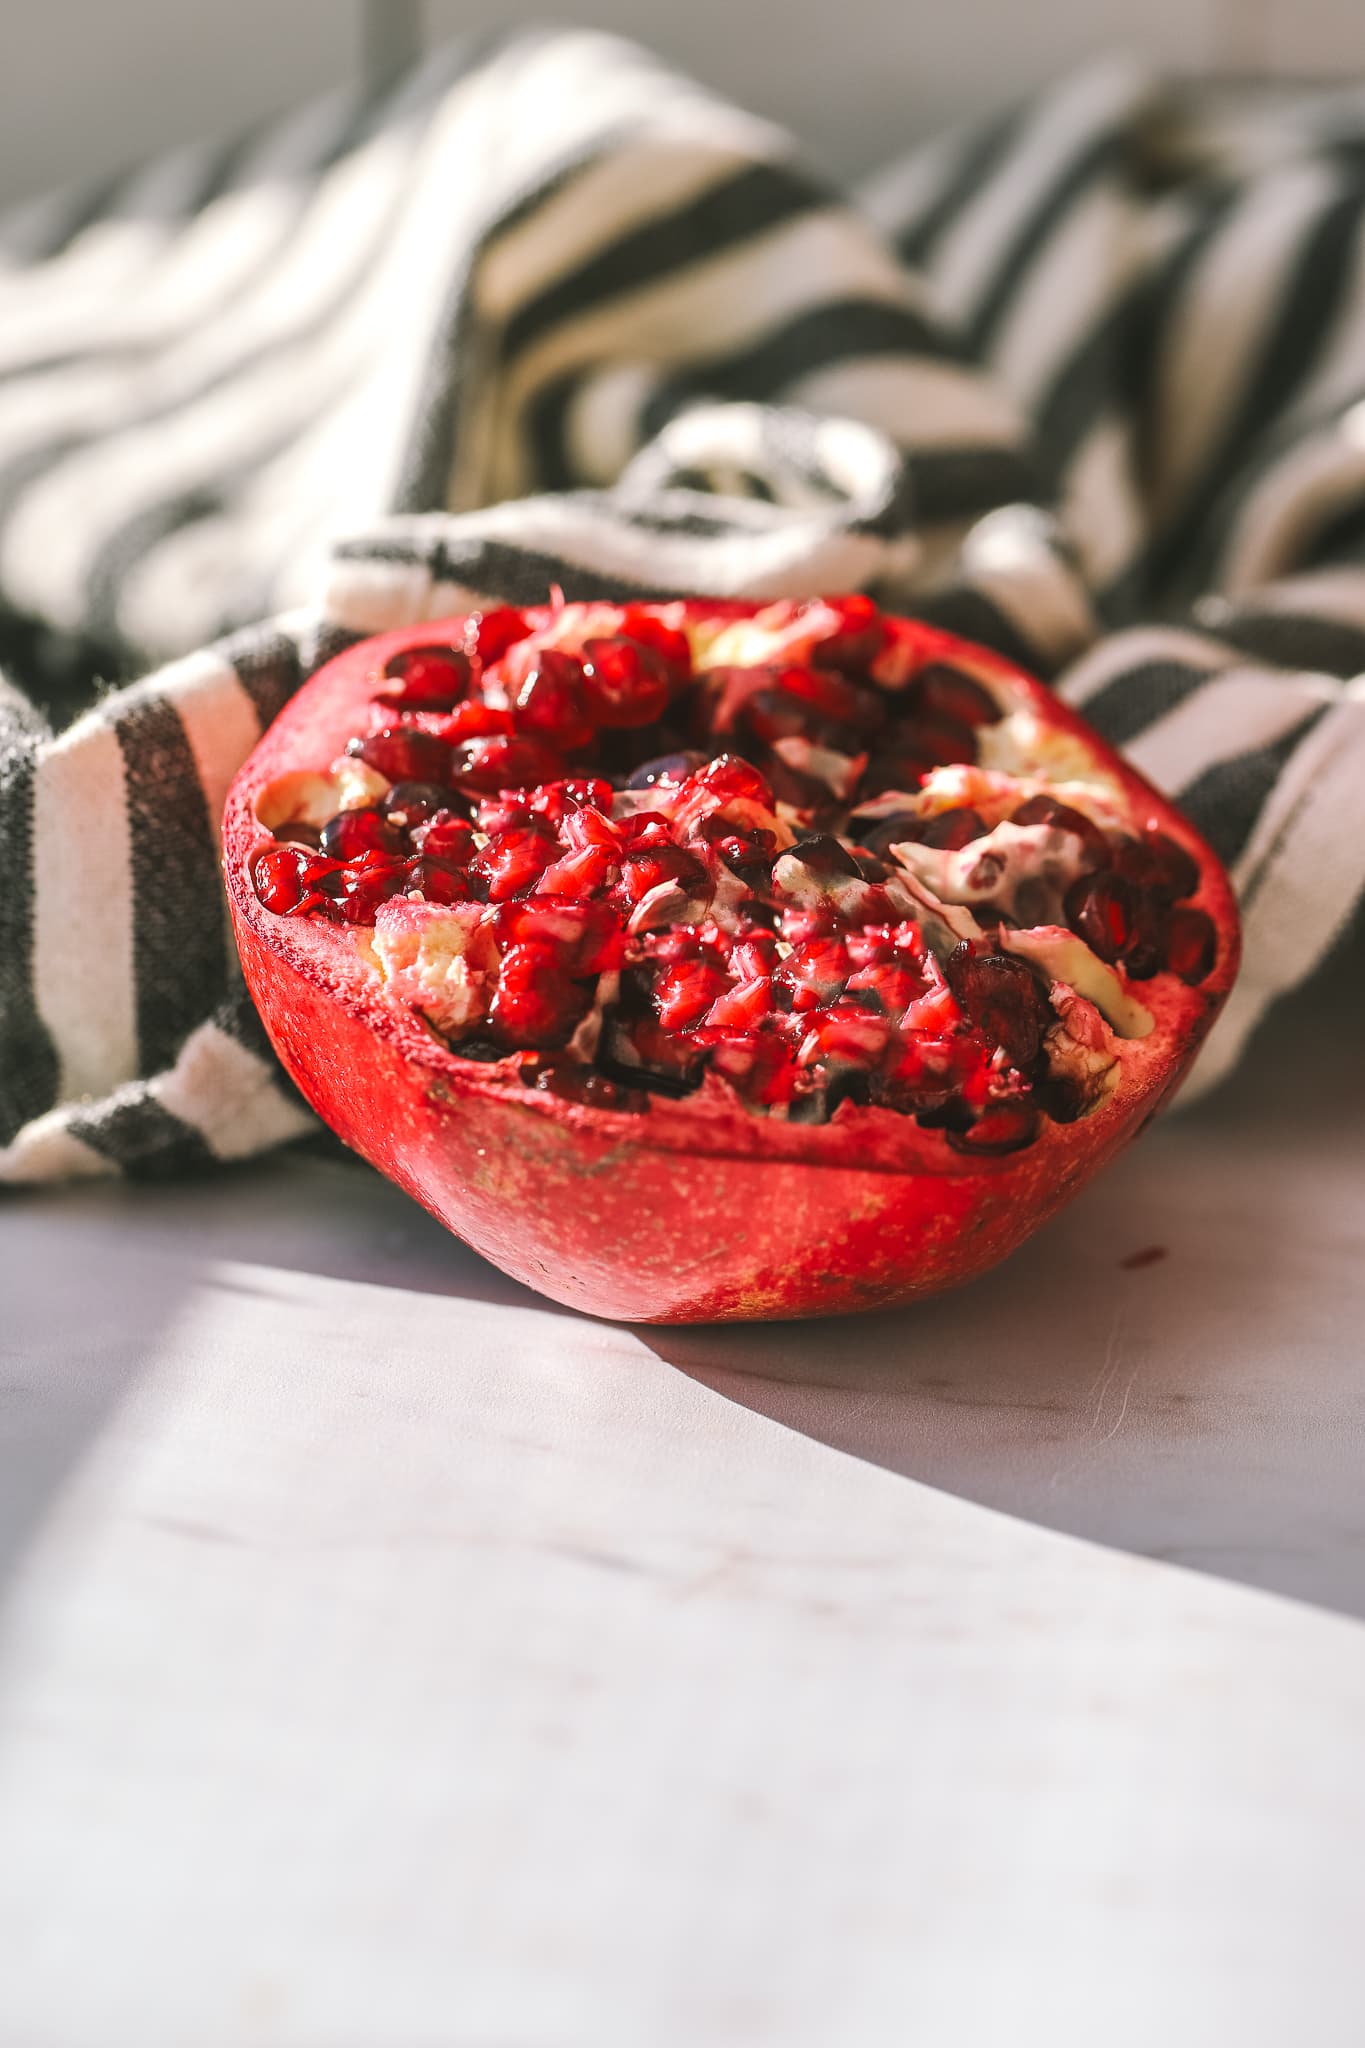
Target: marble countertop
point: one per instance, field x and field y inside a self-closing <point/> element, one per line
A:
<point x="387" y="1656"/>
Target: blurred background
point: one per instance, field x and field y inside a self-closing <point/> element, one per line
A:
<point x="92" y="84"/>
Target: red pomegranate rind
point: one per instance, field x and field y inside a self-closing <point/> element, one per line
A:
<point x="639" y="1203"/>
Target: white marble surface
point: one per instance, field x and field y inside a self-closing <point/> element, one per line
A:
<point x="389" y="1657"/>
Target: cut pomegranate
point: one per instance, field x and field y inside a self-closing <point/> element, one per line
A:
<point x="827" y="1007"/>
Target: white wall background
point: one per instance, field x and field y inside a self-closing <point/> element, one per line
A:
<point x="88" y="84"/>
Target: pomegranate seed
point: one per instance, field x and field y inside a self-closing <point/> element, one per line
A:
<point x="371" y="880"/>
<point x="941" y="692"/>
<point x="514" y="861"/>
<point x="641" y="1050"/>
<point x="583" y="873"/>
<point x="742" y="1008"/>
<point x="627" y="684"/>
<point x="666" y="641"/>
<point x="1046" y="810"/>
<point x="833" y="696"/>
<point x="288" y="878"/>
<point x="1103" y="909"/>
<point x="404" y="754"/>
<point x="502" y="763"/>
<point x="475" y="721"/>
<point x="438" y="881"/>
<point x="752" y="955"/>
<point x="413" y="803"/>
<point x="845" y="1032"/>
<point x="588" y="827"/>
<point x="1155" y="862"/>
<point x="351" y="833"/>
<point x="446" y="837"/>
<point x="537" y="1004"/>
<point x="814" y="972"/>
<point x="671" y="769"/>
<point x="858" y="638"/>
<point x="953" y="829"/>
<point x="556" y="801"/>
<point x="1002" y="999"/>
<point x="757" y="1065"/>
<point x="1191" y="944"/>
<point x="884" y="833"/>
<point x="586" y="938"/>
<point x="1006" y="1128"/>
<point x="552" y="703"/>
<point x="733" y="779"/>
<point x="685" y="991"/>
<point x="427" y="678"/>
<point x="488" y="635"/>
<point x="644" y="868"/>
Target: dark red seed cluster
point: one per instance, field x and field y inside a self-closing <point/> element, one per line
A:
<point x="670" y="883"/>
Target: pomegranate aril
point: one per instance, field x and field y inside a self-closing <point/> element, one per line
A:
<point x="555" y="801"/>
<point x="753" y="954"/>
<point x="953" y="829"/>
<point x="584" y="872"/>
<point x="427" y="678"/>
<point x="413" y="803"/>
<point x="644" y="868"/>
<point x="287" y="878"/>
<point x="514" y="861"/>
<point x="1046" y="810"/>
<point x="369" y="881"/>
<point x="1008" y="1127"/>
<point x="813" y="972"/>
<point x="438" y="881"/>
<point x="626" y="683"/>
<point x="1002" y="999"/>
<point x="351" y="833"/>
<point x="1191" y="944"/>
<point x="551" y="703"/>
<point x="881" y="834"/>
<point x="488" y="635"/>
<point x="756" y="1064"/>
<point x="858" y="638"/>
<point x="733" y="779"/>
<point x="445" y="837"/>
<point x="685" y="991"/>
<point x="585" y="938"/>
<point x="742" y="1008"/>
<point x="670" y="769"/>
<point x="404" y="754"/>
<point x="1156" y="863"/>
<point x="1103" y="909"/>
<point x="537" y="1003"/>
<point x="671" y="645"/>
<point x="475" y="721"/>
<point x="586" y="828"/>
<point x="638" y="1049"/>
<point x="941" y="692"/>
<point x="823" y="856"/>
<point x="499" y="763"/>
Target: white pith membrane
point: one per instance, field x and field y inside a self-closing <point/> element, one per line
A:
<point x="782" y="1030"/>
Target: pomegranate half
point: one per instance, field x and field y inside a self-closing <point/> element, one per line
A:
<point x="701" y="961"/>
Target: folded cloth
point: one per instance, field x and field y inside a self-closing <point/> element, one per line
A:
<point x="1087" y="383"/>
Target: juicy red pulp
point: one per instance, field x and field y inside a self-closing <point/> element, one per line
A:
<point x="676" y="875"/>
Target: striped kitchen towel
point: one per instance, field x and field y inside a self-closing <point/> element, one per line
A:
<point x="1087" y="383"/>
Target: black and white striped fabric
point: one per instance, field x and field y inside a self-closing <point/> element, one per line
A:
<point x="1088" y="383"/>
